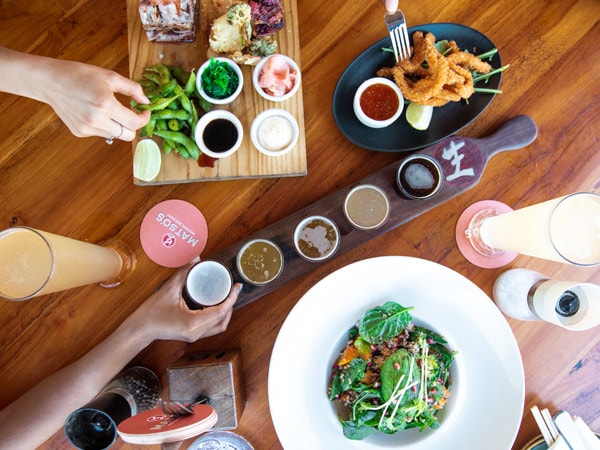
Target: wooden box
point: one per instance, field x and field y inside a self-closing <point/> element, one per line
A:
<point x="216" y="374"/>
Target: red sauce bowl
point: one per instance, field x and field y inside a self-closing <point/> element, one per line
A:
<point x="378" y="102"/>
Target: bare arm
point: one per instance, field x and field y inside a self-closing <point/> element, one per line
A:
<point x="82" y="95"/>
<point x="163" y="316"/>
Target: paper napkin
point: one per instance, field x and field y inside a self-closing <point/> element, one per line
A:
<point x="589" y="440"/>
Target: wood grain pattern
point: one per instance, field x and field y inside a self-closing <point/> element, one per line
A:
<point x="84" y="189"/>
<point x="247" y="162"/>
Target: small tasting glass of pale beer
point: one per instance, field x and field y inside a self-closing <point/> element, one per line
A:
<point x="565" y="229"/>
<point x="34" y="263"/>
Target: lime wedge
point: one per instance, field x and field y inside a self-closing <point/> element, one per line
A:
<point x="419" y="116"/>
<point x="146" y="160"/>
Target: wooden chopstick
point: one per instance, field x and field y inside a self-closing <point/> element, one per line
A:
<point x="541" y="423"/>
<point x="550" y="424"/>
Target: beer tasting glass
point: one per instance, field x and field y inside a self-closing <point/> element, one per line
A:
<point x="565" y="229"/>
<point x="34" y="262"/>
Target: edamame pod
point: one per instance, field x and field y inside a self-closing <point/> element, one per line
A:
<point x="178" y="114"/>
<point x="161" y="124"/>
<point x="149" y="127"/>
<point x="191" y="84"/>
<point x="161" y="70"/>
<point x="180" y="138"/>
<point x="179" y="74"/>
<point x="151" y="76"/>
<point x="186" y="103"/>
<point x="159" y="104"/>
<point x="167" y="88"/>
<point x="182" y="150"/>
<point x="168" y="146"/>
<point x="173" y="124"/>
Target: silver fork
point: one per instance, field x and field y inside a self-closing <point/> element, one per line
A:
<point x="178" y="409"/>
<point x="396" y="26"/>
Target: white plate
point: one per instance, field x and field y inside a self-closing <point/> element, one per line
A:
<point x="485" y="408"/>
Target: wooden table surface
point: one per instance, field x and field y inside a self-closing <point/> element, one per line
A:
<point x="82" y="188"/>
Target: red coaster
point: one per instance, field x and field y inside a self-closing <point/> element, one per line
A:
<point x="464" y="243"/>
<point x="155" y="427"/>
<point x="173" y="233"/>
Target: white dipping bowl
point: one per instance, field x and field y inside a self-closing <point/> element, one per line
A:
<point x="209" y="117"/>
<point x="364" y="118"/>
<point x="258" y="70"/>
<point x="263" y="144"/>
<point x="220" y="101"/>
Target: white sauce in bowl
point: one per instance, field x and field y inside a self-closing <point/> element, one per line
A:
<point x="275" y="133"/>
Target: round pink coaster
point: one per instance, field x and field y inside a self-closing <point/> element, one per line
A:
<point x="464" y="243"/>
<point x="173" y="233"/>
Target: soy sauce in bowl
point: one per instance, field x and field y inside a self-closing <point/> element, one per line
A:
<point x="220" y="135"/>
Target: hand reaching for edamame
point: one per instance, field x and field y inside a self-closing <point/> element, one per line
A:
<point x="82" y="95"/>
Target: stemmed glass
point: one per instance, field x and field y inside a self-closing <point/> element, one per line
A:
<point x="566" y="229"/>
<point x="35" y="262"/>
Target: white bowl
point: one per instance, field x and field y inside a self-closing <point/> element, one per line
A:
<point x="444" y="301"/>
<point x="259" y="68"/>
<point x="276" y="120"/>
<point x="206" y="120"/>
<point x="369" y="121"/>
<point x="222" y="101"/>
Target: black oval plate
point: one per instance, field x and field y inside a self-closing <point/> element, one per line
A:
<point x="400" y="136"/>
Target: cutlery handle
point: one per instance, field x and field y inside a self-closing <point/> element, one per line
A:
<point x="566" y="427"/>
<point x="542" y="425"/>
<point x="515" y="133"/>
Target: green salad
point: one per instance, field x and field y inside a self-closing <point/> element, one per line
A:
<point x="392" y="375"/>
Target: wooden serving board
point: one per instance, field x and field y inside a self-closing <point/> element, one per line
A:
<point x="462" y="161"/>
<point x="247" y="162"/>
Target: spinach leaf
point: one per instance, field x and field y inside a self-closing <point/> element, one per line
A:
<point x="399" y="364"/>
<point x="362" y="409"/>
<point x="347" y="377"/>
<point x="355" y="431"/>
<point x="431" y="335"/>
<point x="384" y="322"/>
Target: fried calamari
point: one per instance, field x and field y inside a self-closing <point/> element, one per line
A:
<point x="430" y="78"/>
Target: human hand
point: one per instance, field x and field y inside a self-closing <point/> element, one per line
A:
<point x="166" y="316"/>
<point x="391" y="6"/>
<point x="83" y="96"/>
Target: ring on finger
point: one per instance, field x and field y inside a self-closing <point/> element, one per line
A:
<point x="110" y="140"/>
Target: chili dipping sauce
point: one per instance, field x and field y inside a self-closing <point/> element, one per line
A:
<point x="379" y="101"/>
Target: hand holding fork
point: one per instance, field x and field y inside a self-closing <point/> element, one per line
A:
<point x="396" y="25"/>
